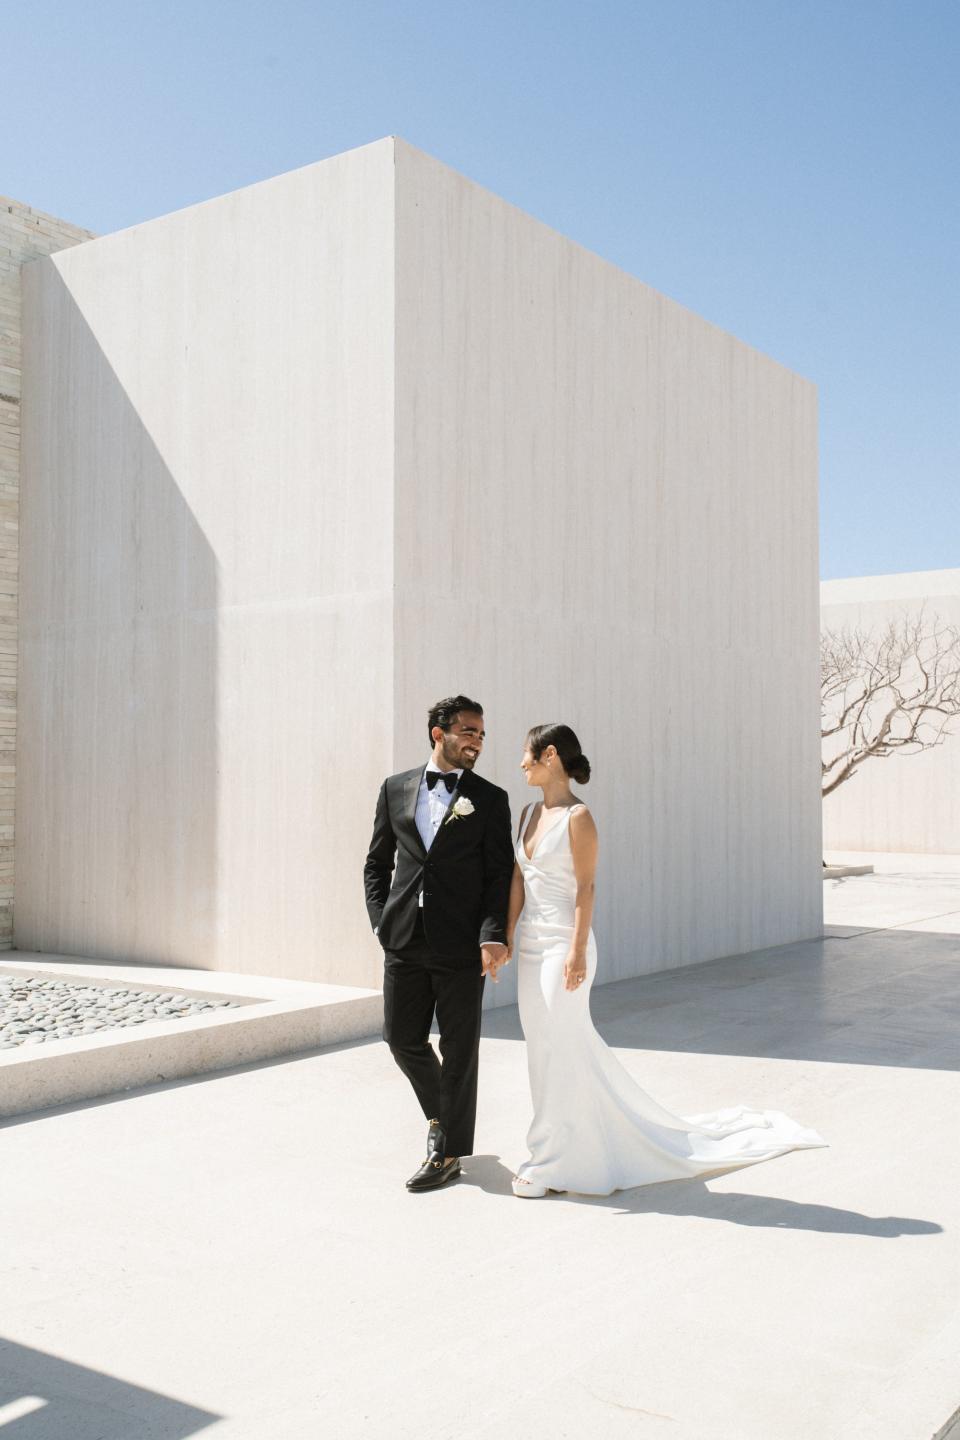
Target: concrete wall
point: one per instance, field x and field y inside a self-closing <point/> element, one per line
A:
<point x="906" y="802"/>
<point x="24" y="234"/>
<point x="309" y="456"/>
<point x="206" y="662"/>
<point x="606" y="515"/>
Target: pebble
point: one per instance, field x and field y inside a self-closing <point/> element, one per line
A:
<point x="37" y="1011"/>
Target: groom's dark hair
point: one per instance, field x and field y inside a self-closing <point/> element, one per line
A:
<point x="444" y="712"/>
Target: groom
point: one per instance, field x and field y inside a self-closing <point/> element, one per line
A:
<point x="441" y="922"/>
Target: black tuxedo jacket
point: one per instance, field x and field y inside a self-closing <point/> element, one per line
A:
<point x="465" y="876"/>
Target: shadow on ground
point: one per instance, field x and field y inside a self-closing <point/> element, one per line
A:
<point x="45" y="1398"/>
<point x="878" y="997"/>
<point x="692" y="1197"/>
<point x="881" y="997"/>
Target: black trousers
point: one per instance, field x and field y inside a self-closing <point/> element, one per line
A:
<point x="416" y="983"/>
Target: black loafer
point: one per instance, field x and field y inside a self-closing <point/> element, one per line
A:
<point x="433" y="1173"/>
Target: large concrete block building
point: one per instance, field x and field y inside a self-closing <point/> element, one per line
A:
<point x="304" y="458"/>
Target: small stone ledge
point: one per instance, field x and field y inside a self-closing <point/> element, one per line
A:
<point x="268" y="1019"/>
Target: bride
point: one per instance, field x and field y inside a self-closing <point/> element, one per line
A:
<point x="594" y="1130"/>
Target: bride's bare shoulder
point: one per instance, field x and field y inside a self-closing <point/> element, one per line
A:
<point x="581" y="820"/>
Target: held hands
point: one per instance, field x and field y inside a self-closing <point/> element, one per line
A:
<point x="574" y="971"/>
<point x="492" y="958"/>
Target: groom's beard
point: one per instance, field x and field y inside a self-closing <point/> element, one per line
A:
<point x="451" y="753"/>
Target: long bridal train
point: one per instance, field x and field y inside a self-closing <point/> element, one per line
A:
<point x="594" y="1129"/>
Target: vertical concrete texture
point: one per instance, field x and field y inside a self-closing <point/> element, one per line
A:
<point x="905" y="802"/>
<point x="24" y="234"/>
<point x="606" y="515"/>
<point x="307" y="457"/>
<point x="207" y="641"/>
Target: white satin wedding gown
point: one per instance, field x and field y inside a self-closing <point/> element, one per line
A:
<point x="594" y="1130"/>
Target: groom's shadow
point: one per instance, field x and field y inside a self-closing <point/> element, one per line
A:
<point x="692" y="1197"/>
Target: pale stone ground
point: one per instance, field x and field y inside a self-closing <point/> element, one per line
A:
<point x="237" y="1257"/>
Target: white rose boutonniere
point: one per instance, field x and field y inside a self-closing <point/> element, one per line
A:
<point x="461" y="808"/>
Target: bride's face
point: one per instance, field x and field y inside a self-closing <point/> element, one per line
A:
<point x="535" y="770"/>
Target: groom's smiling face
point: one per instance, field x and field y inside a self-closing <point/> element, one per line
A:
<point x="459" y="747"/>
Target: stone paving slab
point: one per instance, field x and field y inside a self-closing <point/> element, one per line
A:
<point x="917" y="892"/>
<point x="238" y="1258"/>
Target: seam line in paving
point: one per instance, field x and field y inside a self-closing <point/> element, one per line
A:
<point x="896" y="925"/>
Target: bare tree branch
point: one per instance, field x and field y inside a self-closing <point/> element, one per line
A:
<point x="887" y="692"/>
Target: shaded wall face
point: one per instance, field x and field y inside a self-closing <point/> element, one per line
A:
<point x="207" y="568"/>
<point x="905" y="802"/>
<point x="606" y="515"/>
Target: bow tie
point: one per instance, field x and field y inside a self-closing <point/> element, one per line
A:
<point x="449" y="778"/>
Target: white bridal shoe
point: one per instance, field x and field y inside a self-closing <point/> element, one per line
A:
<point x="527" y="1189"/>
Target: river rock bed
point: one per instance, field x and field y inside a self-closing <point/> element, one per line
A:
<point x="35" y="1011"/>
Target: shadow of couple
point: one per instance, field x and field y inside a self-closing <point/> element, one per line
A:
<point x="693" y="1197"/>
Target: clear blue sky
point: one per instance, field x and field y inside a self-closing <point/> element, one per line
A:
<point x="786" y="168"/>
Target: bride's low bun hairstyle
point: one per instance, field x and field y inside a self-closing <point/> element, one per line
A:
<point x="567" y="746"/>
<point x="578" y="769"/>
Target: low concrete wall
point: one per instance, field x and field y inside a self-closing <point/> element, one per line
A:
<point x="274" y="1018"/>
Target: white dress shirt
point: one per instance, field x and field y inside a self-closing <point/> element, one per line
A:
<point x="432" y="807"/>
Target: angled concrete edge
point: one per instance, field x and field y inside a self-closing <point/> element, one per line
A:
<point x="273" y="1018"/>
<point x="950" y="1431"/>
